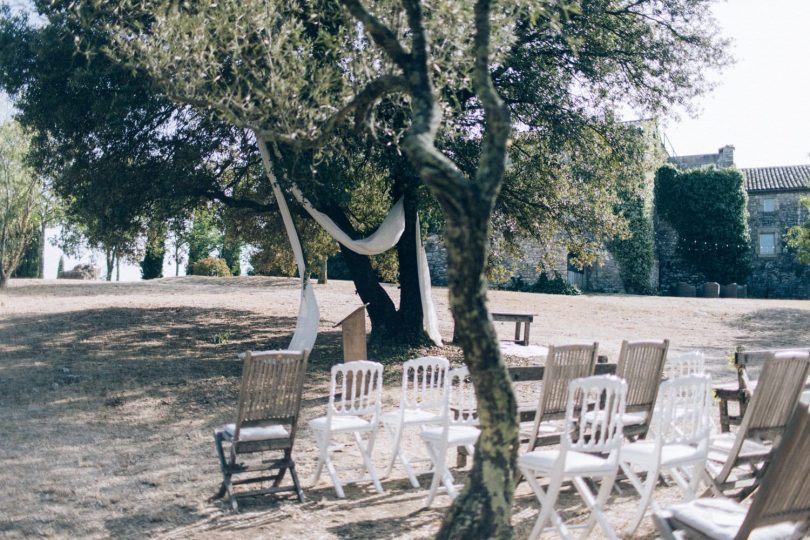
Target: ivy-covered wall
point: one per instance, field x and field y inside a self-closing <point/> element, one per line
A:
<point x="707" y="212"/>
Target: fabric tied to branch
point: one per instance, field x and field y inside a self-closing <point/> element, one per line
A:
<point x="384" y="238"/>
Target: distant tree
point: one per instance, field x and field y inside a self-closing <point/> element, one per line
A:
<point x="203" y="238"/>
<point x="798" y="236"/>
<point x="61" y="266"/>
<point x="20" y="197"/>
<point x="30" y="263"/>
<point x="154" y="251"/>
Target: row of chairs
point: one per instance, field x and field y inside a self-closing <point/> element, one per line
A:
<point x="441" y="403"/>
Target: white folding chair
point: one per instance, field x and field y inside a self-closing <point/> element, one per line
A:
<point x="458" y="428"/>
<point x="355" y="399"/>
<point x="420" y="405"/>
<point x="678" y="443"/>
<point x="690" y="363"/>
<point x="589" y="448"/>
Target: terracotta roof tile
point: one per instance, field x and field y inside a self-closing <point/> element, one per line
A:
<point x="777" y="178"/>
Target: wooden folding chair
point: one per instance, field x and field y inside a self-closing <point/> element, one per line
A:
<point x="736" y="459"/>
<point x="781" y="506"/>
<point x="563" y="364"/>
<point x="421" y="401"/>
<point x="641" y="364"/>
<point x="269" y="402"/>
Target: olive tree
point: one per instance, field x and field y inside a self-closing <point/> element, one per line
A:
<point x="296" y="73"/>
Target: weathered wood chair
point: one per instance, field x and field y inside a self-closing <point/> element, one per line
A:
<point x="641" y="364"/>
<point x="736" y="459"/>
<point x="269" y="402"/>
<point x="781" y="506"/>
<point x="563" y="364"/>
<point x="421" y="401"/>
<point x="588" y="450"/>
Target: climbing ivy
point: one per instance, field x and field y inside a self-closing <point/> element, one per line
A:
<point x="798" y="237"/>
<point x="708" y="209"/>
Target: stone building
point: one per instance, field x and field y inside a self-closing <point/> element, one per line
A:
<point x="773" y="207"/>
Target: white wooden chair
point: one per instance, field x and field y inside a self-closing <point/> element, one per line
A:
<point x="589" y="449"/>
<point x="458" y="428"/>
<point x="678" y="442"/>
<point x="355" y="400"/>
<point x="420" y="404"/>
<point x="780" y="508"/>
<point x="680" y="365"/>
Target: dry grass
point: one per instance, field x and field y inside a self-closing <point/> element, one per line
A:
<point x="110" y="392"/>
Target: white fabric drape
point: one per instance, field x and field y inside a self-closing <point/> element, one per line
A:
<point x="384" y="238"/>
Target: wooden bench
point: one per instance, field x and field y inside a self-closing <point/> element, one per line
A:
<point x="525" y="319"/>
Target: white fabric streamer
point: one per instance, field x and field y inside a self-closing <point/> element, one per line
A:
<point x="384" y="238"/>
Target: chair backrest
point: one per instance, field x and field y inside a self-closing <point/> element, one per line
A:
<point x="784" y="492"/>
<point x="684" y="413"/>
<point x="564" y="364"/>
<point x="593" y="416"/>
<point x="641" y="364"/>
<point x="777" y="391"/>
<point x="461" y="405"/>
<point x="680" y="365"/>
<point x="356" y="389"/>
<point x="272" y="384"/>
<point x="423" y="382"/>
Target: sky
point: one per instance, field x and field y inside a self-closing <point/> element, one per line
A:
<point x="760" y="104"/>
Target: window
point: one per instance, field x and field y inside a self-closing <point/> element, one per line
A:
<point x="767" y="244"/>
<point x="769" y="205"/>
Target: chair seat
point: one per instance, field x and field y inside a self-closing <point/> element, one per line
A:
<point x="554" y="427"/>
<point x="257" y="433"/>
<point x="340" y="423"/>
<point x="456" y="435"/>
<point x="642" y="452"/>
<point x="628" y="419"/>
<point x="721" y="518"/>
<point x="576" y="463"/>
<point x="720" y="445"/>
<point x="411" y="416"/>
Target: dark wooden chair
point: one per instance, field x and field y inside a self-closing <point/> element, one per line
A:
<point x="736" y="459"/>
<point x="269" y="402"/>
<point x="641" y="364"/>
<point x="781" y="506"/>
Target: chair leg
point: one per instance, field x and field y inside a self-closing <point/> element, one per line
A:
<point x="365" y="452"/>
<point x="296" y="482"/>
<point x="646" y="495"/>
<point x="437" y="474"/>
<point x="395" y="433"/>
<point x="223" y="466"/>
<point x="547" y="499"/>
<point x="323" y="439"/>
<point x="597" y="505"/>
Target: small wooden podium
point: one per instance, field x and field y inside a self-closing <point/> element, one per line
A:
<point x="354" y="335"/>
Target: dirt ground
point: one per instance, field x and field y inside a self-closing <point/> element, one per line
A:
<point x="110" y="392"/>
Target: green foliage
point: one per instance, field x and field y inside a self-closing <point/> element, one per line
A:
<point x="635" y="251"/>
<point x="21" y="197"/>
<point x="211" y="266"/>
<point x="797" y="237"/>
<point x="708" y="208"/>
<point x="29" y="264"/>
<point x="203" y="237"/>
<point x="544" y="285"/>
<point x="231" y="251"/>
<point x="152" y="263"/>
<point x="61" y="266"/>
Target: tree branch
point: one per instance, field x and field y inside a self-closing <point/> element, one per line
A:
<point x="383" y="36"/>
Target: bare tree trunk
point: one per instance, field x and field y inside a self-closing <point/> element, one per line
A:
<point x="117" y="268"/>
<point x="109" y="255"/>
<point x="41" y="269"/>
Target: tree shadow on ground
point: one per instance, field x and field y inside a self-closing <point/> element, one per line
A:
<point x="763" y="328"/>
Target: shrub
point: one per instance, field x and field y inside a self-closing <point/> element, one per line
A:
<point x="544" y="284"/>
<point x="211" y="266"/>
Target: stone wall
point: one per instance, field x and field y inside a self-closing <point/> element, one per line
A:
<point x="777" y="275"/>
<point x="672" y="268"/>
<point x="723" y="158"/>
